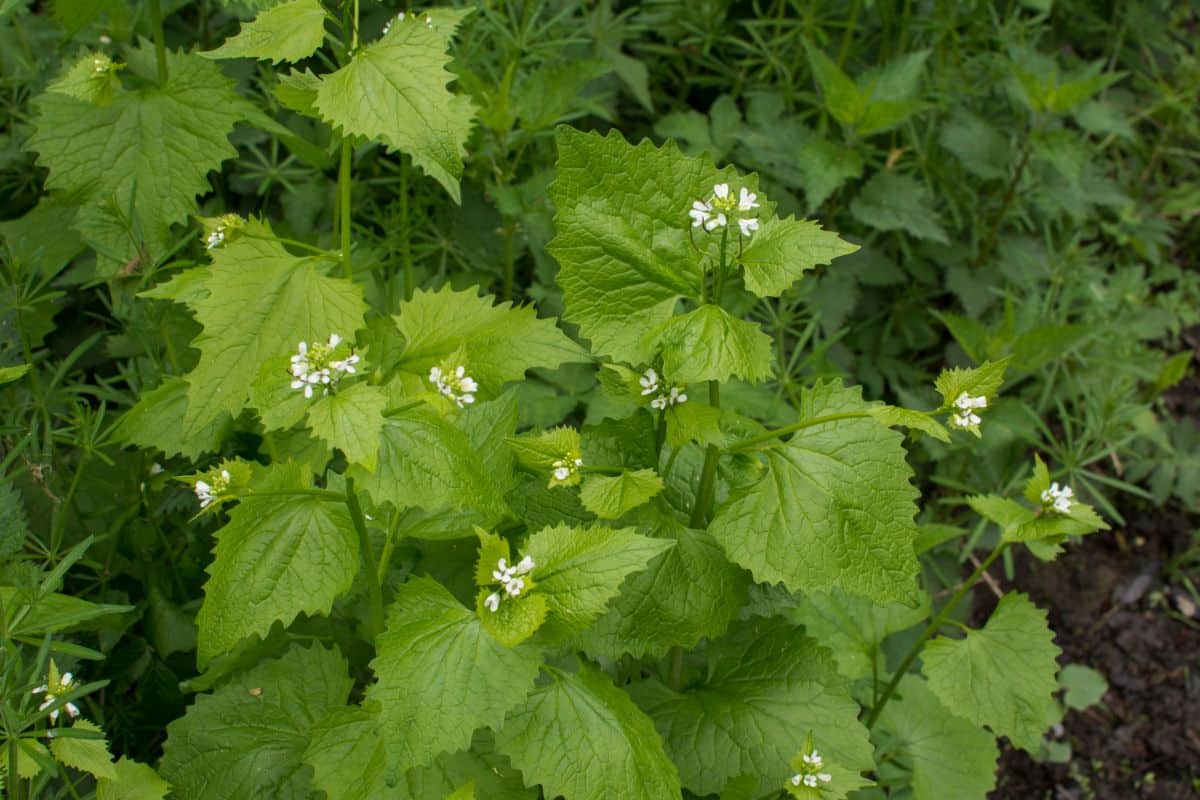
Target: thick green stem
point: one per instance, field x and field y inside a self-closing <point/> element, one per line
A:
<point x="937" y="623"/>
<point x="160" y="46"/>
<point x="706" y="492"/>
<point x="344" y="179"/>
<point x="374" y="624"/>
<point x="755" y="441"/>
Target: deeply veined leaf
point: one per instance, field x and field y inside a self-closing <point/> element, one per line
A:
<point x="280" y="555"/>
<point x="834" y="508"/>
<point x="710" y="344"/>
<point x="1002" y="675"/>
<point x="291" y="31"/>
<point x="782" y="250"/>
<point x="90" y="755"/>
<point x="394" y="91"/>
<point x="133" y="781"/>
<point x="582" y="738"/>
<point x="159" y="420"/>
<point x="14" y="524"/>
<point x="350" y="421"/>
<point x="854" y="628"/>
<point x="982" y="381"/>
<point x="478" y="680"/>
<point x="51" y="613"/>
<point x="611" y="496"/>
<point x="767" y="687"/>
<point x="247" y="738"/>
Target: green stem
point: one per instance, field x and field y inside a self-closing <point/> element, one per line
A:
<point x="931" y="630"/>
<point x="762" y="438"/>
<point x="374" y="589"/>
<point x="344" y="179"/>
<point x="706" y="492"/>
<point x="160" y="47"/>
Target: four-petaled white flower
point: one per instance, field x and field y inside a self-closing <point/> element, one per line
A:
<point x="315" y="366"/>
<point x="454" y="383"/>
<point x="810" y="773"/>
<point x="747" y="200"/>
<point x="565" y="467"/>
<point x="220" y="232"/>
<point x="215" y="239"/>
<point x="649" y="382"/>
<point x="510" y="580"/>
<point x="66" y="683"/>
<point x="208" y="493"/>
<point x="966" y="417"/>
<point x="722" y="206"/>
<point x="673" y="398"/>
<point x="1059" y="498"/>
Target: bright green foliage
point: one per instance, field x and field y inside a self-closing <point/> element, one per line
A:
<point x="579" y="570"/>
<point x="195" y="111"/>
<point x="14" y="525"/>
<point x="347" y="754"/>
<point x="279" y="556"/>
<point x="879" y="100"/>
<point x="766" y="687"/>
<point x="982" y="381"/>
<point x="93" y="78"/>
<point x="782" y="250"/>
<point x="133" y="781"/>
<point x="159" y="420"/>
<point x="950" y="757"/>
<point x="542" y="452"/>
<point x="90" y="755"/>
<point x="498" y="343"/>
<point x="611" y="496"/>
<point x="891" y="202"/>
<point x="50" y="613"/>
<point x="1002" y="675"/>
<point x="908" y="418"/>
<point x="350" y="420"/>
<point x="582" y="738"/>
<point x="709" y="344"/>
<point x="478" y="680"/>
<point x="834" y="508"/>
<point x="247" y="738"/>
<point x="1083" y="686"/>
<point x="394" y="91"/>
<point x="516" y="620"/>
<point x="291" y="31"/>
<point x="687" y="593"/>
<point x="854" y="629"/>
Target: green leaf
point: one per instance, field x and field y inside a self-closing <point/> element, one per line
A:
<point x="89" y="755"/>
<point x="394" y="91"/>
<point x="133" y="781"/>
<point x="279" y="556"/>
<point x="893" y="416"/>
<point x="982" y="381"/>
<point x="540" y="451"/>
<point x="1083" y="686"/>
<point x="14" y="525"/>
<point x="842" y="98"/>
<point x="611" y="496"/>
<point x="159" y="420"/>
<point x="500" y="342"/>
<point x="709" y="344"/>
<point x="782" y="250"/>
<point x="291" y="31"/>
<point x="833" y="509"/>
<point x="983" y="151"/>
<point x="623" y="239"/>
<point x="855" y="629"/>
<point x="950" y="757"/>
<point x="51" y="613"/>
<point x="579" y="570"/>
<point x="767" y="686"/>
<point x="351" y="421"/>
<point x="891" y="202"/>
<point x="1002" y="675"/>
<point x="261" y="303"/>
<point x="347" y="754"/>
<point x="148" y="150"/>
<point x="478" y="680"/>
<point x="685" y="594"/>
<point x="582" y="738"/>
<point x="247" y="738"/>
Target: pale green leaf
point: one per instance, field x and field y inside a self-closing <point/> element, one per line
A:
<point x="350" y="421"/>
<point x="843" y="100"/>
<point x="855" y="629"/>
<point x="159" y="420"/>
<point x="834" y="508"/>
<point x="247" y="738"/>
<point x="394" y="91"/>
<point x="766" y="688"/>
<point x="893" y="416"/>
<point x="610" y="496"/>
<point x="582" y="738"/>
<point x="89" y="755"/>
<point x="14" y="524"/>
<point x="51" y="613"/>
<point x="710" y="344"/>
<point x="133" y="781"/>
<point x="782" y="250"/>
<point x="891" y="202"/>
<point x="982" y="381"/>
<point x="291" y="31"/>
<point x="1083" y="686"/>
<point x="1002" y="675"/>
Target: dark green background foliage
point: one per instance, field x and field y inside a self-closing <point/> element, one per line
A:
<point x="1021" y="177"/>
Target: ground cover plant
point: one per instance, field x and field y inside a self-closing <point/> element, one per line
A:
<point x="573" y="399"/>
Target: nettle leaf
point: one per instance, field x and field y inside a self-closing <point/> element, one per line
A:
<point x="478" y="680"/>
<point x="1002" y="675"/>
<point x="500" y="341"/>
<point x="579" y="570"/>
<point x="394" y="91"/>
<point x="891" y="202"/>
<point x="767" y="687"/>
<point x="950" y="757"/>
<point x="855" y="628"/>
<point x="291" y="31"/>
<point x="982" y="381"/>
<point x="247" y="738"/>
<point x="351" y="420"/>
<point x="709" y="344"/>
<point x="685" y="594"/>
<point x="279" y="556"/>
<point x="611" y="496"/>
<point x="261" y="302"/>
<point x="782" y="250"/>
<point x="834" y="509"/>
<point x="159" y="420"/>
<point x="90" y="755"/>
<point x="148" y="150"/>
<point x="581" y="737"/>
<point x="622" y="236"/>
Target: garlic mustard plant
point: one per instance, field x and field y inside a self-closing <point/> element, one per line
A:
<point x="316" y="367"/>
<point x="56" y="687"/>
<point x="454" y="383"/>
<point x="1058" y="498"/>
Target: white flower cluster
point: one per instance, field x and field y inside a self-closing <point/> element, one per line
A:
<point x="400" y="18"/>
<point x="723" y="206"/>
<point x="510" y="580"/>
<point x="208" y="493"/>
<point x="65" y="684"/>
<point x="101" y="65"/>
<point x="216" y="238"/>
<point x="1059" y="498"/>
<point x="810" y="774"/>
<point x="455" y="384"/>
<point x="565" y="467"/>
<point x="316" y="366"/>
<point x="650" y="385"/>
<point x="220" y="232"/>
<point x="966" y="417"/>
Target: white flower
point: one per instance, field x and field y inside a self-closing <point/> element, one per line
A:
<point x="965" y="401"/>
<point x="810" y="780"/>
<point x="717" y="221"/>
<point x="561" y="473"/>
<point x="824" y="777"/>
<point x="674" y="398"/>
<point x="514" y="587"/>
<point x="813" y="758"/>
<point x="723" y="206"/>
<point x="966" y="417"/>
<point x="215" y="239"/>
<point x="493" y="602"/>
<point x="101" y="65"/>
<point x="700" y="213"/>
<point x="66" y="683"/>
<point x="810" y="774"/>
<point x="748" y="226"/>
<point x="208" y="493"/>
<point x="506" y="576"/>
<point x="797" y="780"/>
<point x="721" y="191"/>
<point x="398" y="18"/>
<point x="455" y="384"/>
<point x="649" y="382"/>
<point x="565" y="467"/>
<point x="315" y="366"/>
<point x="747" y="201"/>
<point x="1059" y="498"/>
<point x="156" y="468"/>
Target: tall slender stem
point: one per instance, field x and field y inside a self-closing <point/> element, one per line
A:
<point x="374" y="622"/>
<point x="931" y="630"/>
<point x="160" y="47"/>
<point x="344" y="179"/>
